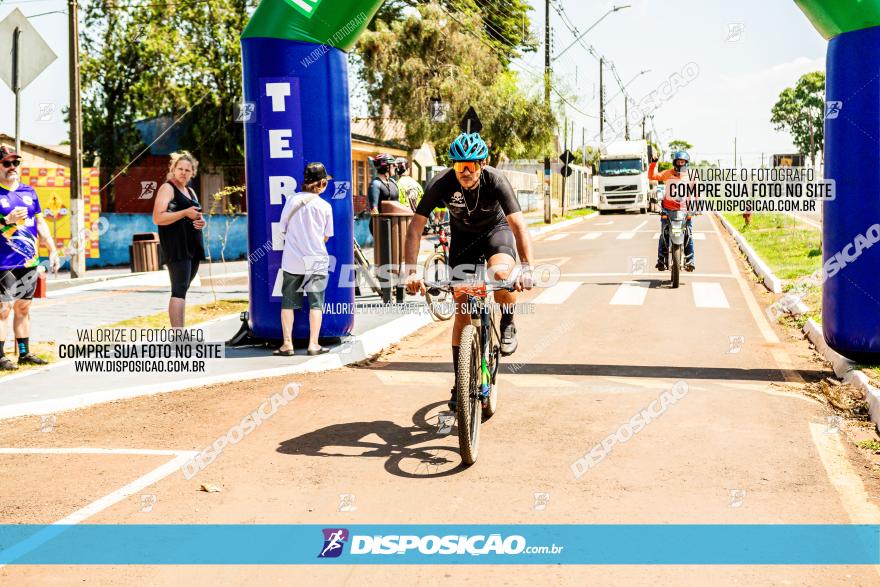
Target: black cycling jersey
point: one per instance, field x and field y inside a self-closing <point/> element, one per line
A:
<point x="471" y="210"/>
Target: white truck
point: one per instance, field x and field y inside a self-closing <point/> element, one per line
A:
<point x="623" y="176"/>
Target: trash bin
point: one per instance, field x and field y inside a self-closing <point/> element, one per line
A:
<point x="144" y="252"/>
<point x="389" y="240"/>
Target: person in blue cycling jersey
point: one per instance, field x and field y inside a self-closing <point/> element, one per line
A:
<point x="485" y="221"/>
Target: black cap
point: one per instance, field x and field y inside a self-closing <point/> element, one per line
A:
<point x="8" y="153"/>
<point x="315" y="172"/>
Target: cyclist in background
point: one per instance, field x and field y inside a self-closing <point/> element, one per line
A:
<point x="411" y="191"/>
<point x="382" y="188"/>
<point x="486" y="221"/>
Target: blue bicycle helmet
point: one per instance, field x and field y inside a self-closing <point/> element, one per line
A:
<point x="468" y="147"/>
<point x="681" y="155"/>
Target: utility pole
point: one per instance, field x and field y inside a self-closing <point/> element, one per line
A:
<point x="16" y="85"/>
<point x="601" y="101"/>
<point x="734" y="152"/>
<point x="644" y="134"/>
<point x="547" y="75"/>
<point x="626" y="115"/>
<point x="77" y="256"/>
<point x="565" y="148"/>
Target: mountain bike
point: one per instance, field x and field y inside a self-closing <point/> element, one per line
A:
<point x="478" y="357"/>
<point x="440" y="304"/>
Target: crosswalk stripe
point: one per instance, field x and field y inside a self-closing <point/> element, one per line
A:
<point x="591" y="236"/>
<point x="709" y="295"/>
<point x="558" y="293"/>
<point x="632" y="293"/>
<point x="625" y="236"/>
<point x="557" y="237"/>
<point x="698" y="236"/>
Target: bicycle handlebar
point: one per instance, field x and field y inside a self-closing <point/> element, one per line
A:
<point x="470" y="287"/>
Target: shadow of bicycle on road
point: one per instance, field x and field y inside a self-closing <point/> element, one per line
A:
<point x="399" y="444"/>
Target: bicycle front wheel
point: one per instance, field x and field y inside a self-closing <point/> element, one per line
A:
<point x="469" y="408"/>
<point x="441" y="306"/>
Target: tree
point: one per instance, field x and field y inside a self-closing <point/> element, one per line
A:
<point x="680" y="145"/>
<point x="430" y="54"/>
<point x="801" y="112"/>
<point x="147" y="59"/>
<point x="123" y="67"/>
<point x="506" y="25"/>
<point x="209" y="74"/>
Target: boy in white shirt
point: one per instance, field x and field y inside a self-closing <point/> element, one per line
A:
<point x="306" y="225"/>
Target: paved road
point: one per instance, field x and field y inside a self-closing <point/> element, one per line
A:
<point x="743" y="445"/>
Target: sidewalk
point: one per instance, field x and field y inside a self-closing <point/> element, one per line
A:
<point x="122" y="295"/>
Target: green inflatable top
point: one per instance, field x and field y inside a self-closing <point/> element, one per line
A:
<point x="833" y="17"/>
<point x="337" y="23"/>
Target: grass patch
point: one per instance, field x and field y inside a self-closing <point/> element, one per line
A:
<point x="872" y="445"/>
<point x="791" y="249"/>
<point x="195" y="314"/>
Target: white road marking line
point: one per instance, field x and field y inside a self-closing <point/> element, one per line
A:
<point x="591" y="236"/>
<point x="657" y="275"/>
<point x="632" y="293"/>
<point x="698" y="236"/>
<point x="557" y="237"/>
<point x="625" y="236"/>
<point x="751" y="302"/>
<point x="558" y="293"/>
<point x="846" y="481"/>
<point x="709" y="295"/>
<point x="25" y="546"/>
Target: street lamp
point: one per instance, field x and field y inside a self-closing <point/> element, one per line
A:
<point x="583" y="34"/>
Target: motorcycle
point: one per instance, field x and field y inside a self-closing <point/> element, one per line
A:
<point x="677" y="237"/>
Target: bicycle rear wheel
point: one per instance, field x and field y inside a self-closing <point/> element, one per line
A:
<point x="468" y="407"/>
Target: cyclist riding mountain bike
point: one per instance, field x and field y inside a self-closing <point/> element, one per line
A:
<point x="411" y="191"/>
<point x="678" y="174"/>
<point x="382" y="188"/>
<point x="486" y="221"/>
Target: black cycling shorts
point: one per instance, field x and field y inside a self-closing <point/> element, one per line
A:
<point x="18" y="284"/>
<point x="466" y="248"/>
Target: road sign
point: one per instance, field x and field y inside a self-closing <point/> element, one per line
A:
<point x="567" y="158"/>
<point x="475" y="124"/>
<point x="36" y="53"/>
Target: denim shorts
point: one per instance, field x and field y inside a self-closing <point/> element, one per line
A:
<point x="293" y="286"/>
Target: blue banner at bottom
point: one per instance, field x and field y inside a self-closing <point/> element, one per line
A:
<point x="440" y="544"/>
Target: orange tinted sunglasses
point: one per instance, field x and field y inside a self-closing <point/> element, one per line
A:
<point x="470" y="166"/>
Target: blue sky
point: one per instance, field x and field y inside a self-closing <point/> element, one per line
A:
<point x="738" y="82"/>
<point x="736" y="87"/>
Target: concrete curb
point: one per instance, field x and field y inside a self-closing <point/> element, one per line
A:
<point x="845" y="369"/>
<point x="758" y="265"/>
<point x="354" y="350"/>
<point x="560" y="225"/>
<point x="62" y="284"/>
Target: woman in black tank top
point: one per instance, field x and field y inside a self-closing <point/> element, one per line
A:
<point x="178" y="215"/>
